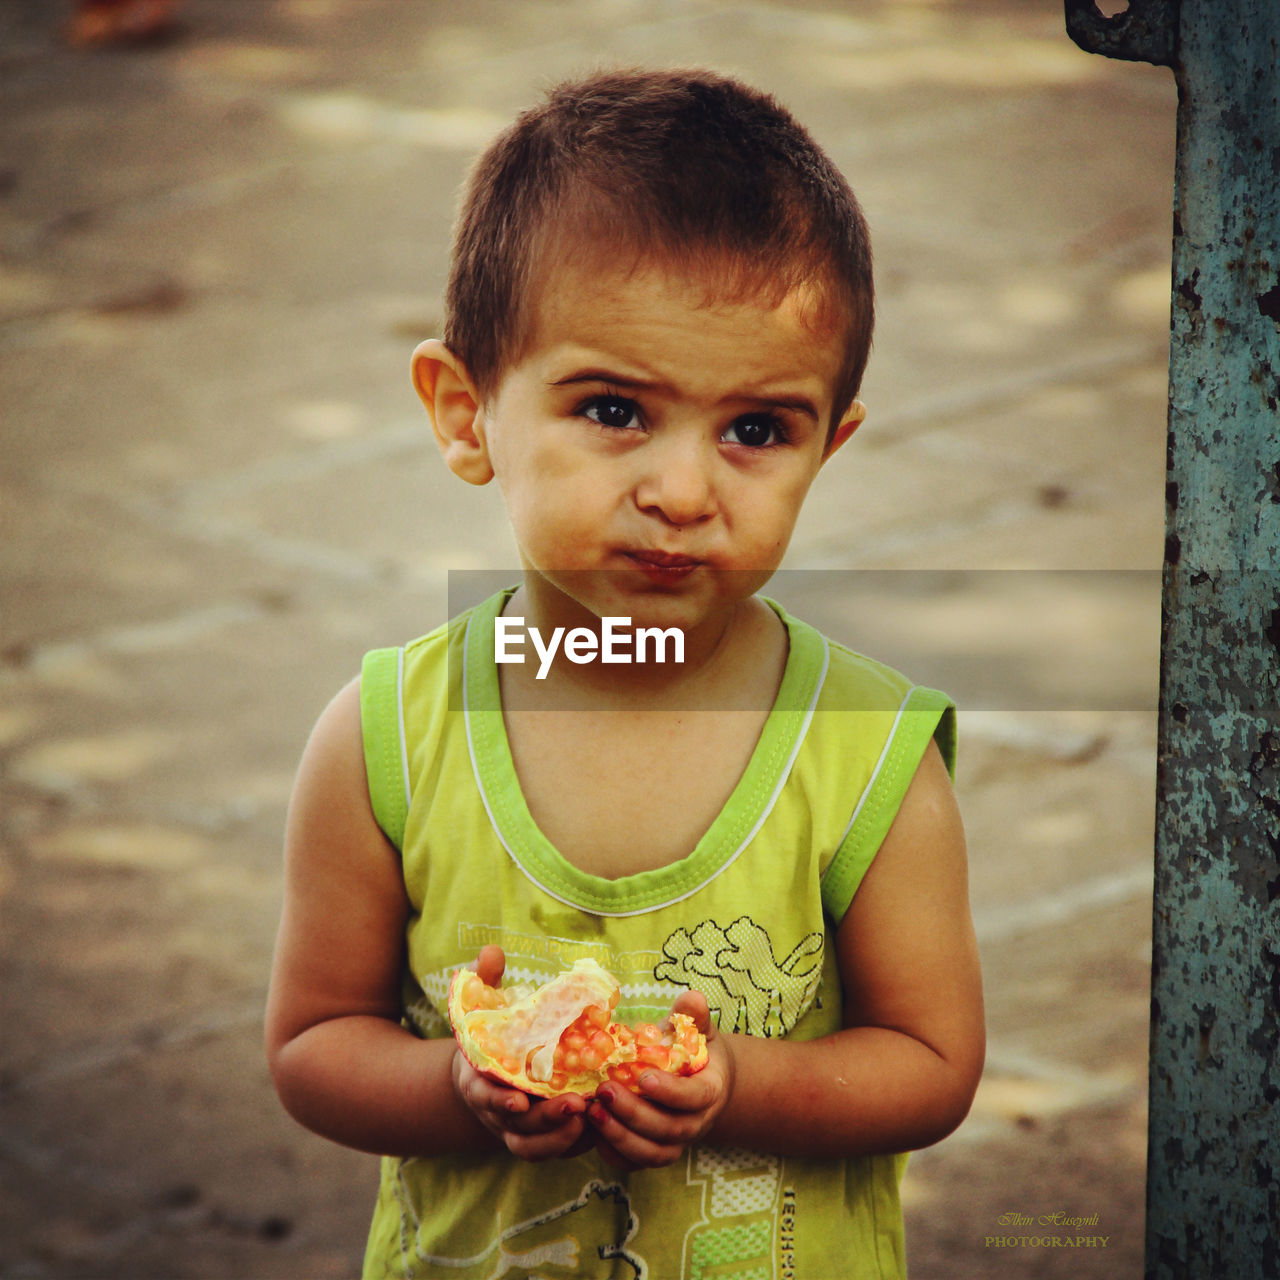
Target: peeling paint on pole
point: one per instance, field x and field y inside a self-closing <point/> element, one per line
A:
<point x="1213" y="1174"/>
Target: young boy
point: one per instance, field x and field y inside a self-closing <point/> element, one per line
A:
<point x="658" y="318"/>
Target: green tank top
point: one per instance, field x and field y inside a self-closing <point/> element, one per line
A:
<point x="747" y="918"/>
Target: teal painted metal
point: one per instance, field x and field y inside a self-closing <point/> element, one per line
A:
<point x="1146" y="31"/>
<point x="1213" y="1173"/>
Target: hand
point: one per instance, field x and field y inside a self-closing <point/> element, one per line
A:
<point x="530" y="1128"/>
<point x="671" y="1112"/>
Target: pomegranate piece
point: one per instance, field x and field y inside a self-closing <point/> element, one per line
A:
<point x="561" y="1037"/>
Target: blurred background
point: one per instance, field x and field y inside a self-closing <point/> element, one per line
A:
<point x="218" y="248"/>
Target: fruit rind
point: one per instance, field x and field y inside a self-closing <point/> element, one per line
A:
<point x="514" y="1034"/>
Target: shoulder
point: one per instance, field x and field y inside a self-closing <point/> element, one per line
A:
<point x="333" y="761"/>
<point x="848" y="680"/>
<point x="856" y="682"/>
<point x="442" y="654"/>
<point x="898" y="714"/>
<point x="872" y="732"/>
<point x="420" y="671"/>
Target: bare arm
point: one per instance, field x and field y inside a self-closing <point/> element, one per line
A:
<point x="902" y="1073"/>
<point x="342" y="1063"/>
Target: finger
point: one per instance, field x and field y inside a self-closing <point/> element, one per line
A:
<point x="490" y="965"/>
<point x="481" y="1093"/>
<point x="611" y="1156"/>
<point x="643" y="1118"/>
<point x="548" y="1114"/>
<point x="564" y="1140"/>
<point x="635" y="1149"/>
<point x="679" y="1093"/>
<point x="542" y="1116"/>
<point x="694" y="1003"/>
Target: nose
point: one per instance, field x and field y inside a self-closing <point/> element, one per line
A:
<point x="677" y="483"/>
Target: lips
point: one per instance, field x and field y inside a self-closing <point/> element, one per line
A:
<point x="664" y="559"/>
<point x="663" y="568"/>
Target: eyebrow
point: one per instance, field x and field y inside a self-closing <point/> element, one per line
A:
<point x="796" y="404"/>
<point x="607" y="375"/>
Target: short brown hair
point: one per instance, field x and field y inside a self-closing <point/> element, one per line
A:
<point x="683" y="167"/>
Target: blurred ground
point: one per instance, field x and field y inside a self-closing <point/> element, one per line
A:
<point x="216" y="492"/>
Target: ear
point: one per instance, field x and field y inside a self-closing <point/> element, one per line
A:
<point x="850" y="421"/>
<point x="454" y="407"/>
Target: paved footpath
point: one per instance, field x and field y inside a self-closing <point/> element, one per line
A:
<point x="216" y="490"/>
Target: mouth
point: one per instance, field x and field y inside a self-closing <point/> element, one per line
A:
<point x="664" y="559"/>
<point x="663" y="566"/>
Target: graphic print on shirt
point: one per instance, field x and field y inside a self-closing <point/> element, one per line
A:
<point x="747" y="987"/>
<point x="568" y="1240"/>
<point x="737" y="1237"/>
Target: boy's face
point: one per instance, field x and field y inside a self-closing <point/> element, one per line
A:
<point x="654" y="448"/>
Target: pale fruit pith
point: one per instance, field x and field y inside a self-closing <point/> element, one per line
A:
<point x="560" y="1037"/>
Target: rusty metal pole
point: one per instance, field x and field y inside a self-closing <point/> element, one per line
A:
<point x="1213" y="1172"/>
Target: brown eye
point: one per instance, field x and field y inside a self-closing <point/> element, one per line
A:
<point x="610" y="411"/>
<point x="755" y="431"/>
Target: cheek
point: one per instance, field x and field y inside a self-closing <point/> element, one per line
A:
<point x="555" y="510"/>
<point x="534" y="480"/>
<point x="766" y="518"/>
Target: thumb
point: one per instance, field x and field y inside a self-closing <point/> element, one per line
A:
<point x="694" y="1004"/>
<point x="490" y="965"/>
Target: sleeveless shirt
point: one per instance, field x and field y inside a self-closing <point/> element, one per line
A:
<point x="748" y="918"/>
